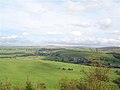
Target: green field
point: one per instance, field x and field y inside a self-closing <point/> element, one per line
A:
<point x="18" y="70"/>
<point x="76" y="54"/>
<point x="46" y="65"/>
<point x="37" y="70"/>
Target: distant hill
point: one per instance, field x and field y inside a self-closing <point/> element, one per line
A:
<point x="110" y="48"/>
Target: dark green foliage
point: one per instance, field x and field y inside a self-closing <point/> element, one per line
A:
<point x="100" y="73"/>
<point x="5" y="86"/>
<point x="117" y="72"/>
<point x="70" y="68"/>
<point x="77" y="56"/>
<point x="83" y="86"/>
<point x="29" y="86"/>
<point x="97" y="79"/>
<point x="116" y="55"/>
<point x="117" y="81"/>
<point x="63" y="68"/>
<point x="71" y="84"/>
<point x="68" y="84"/>
<point x="41" y="86"/>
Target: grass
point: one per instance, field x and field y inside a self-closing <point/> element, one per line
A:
<point x="18" y="70"/>
<point x="107" y="58"/>
<point x="62" y="54"/>
<point x="37" y="70"/>
<point x="13" y="52"/>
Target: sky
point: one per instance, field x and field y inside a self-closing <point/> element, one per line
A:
<point x="60" y="22"/>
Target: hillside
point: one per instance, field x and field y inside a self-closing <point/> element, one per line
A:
<point x="77" y="55"/>
<point x="49" y="65"/>
<point x="36" y="69"/>
<point x="82" y="57"/>
<point x="18" y="70"/>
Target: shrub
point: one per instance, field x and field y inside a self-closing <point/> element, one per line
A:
<point x="83" y="86"/>
<point x="59" y="68"/>
<point x="117" y="81"/>
<point x="5" y="86"/>
<point x="63" y="69"/>
<point x="72" y="84"/>
<point x="29" y="86"/>
<point x="70" y="69"/>
<point x="67" y="84"/>
<point x="100" y="73"/>
<point x="41" y="86"/>
<point x="117" y="72"/>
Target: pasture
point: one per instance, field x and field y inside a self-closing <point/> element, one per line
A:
<point x="19" y="65"/>
<point x="35" y="69"/>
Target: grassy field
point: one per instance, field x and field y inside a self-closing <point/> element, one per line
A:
<point x="43" y="65"/>
<point x="37" y="70"/>
<point x="78" y="54"/>
<point x="64" y="55"/>
<point x="18" y="70"/>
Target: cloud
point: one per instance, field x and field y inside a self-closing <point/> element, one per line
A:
<point x="115" y="32"/>
<point x="11" y="38"/>
<point x="81" y="24"/>
<point x="31" y="6"/>
<point x="76" y="33"/>
<point x="105" y="23"/>
<point x="38" y="20"/>
<point x="78" y="6"/>
<point x="89" y="41"/>
<point x="25" y="34"/>
<point x="54" y="33"/>
<point x="14" y="40"/>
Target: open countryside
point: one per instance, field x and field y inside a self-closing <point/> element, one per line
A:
<point x="50" y="65"/>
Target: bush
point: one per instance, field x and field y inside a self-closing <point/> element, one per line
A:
<point x="117" y="72"/>
<point x="83" y="86"/>
<point x="63" y="69"/>
<point x="99" y="73"/>
<point x="5" y="86"/>
<point x="29" y="86"/>
<point x="67" y="84"/>
<point x="71" y="84"/>
<point x="70" y="69"/>
<point x="41" y="86"/>
<point x="117" y="81"/>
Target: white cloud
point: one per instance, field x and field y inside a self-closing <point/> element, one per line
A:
<point x="35" y="19"/>
<point x="8" y="37"/>
<point x="76" y="33"/>
<point x="77" y="6"/>
<point x="12" y="38"/>
<point x="34" y="7"/>
<point x="31" y="6"/>
<point x="105" y="23"/>
<point x="115" y="32"/>
<point x="25" y="34"/>
<point x="27" y="22"/>
<point x="54" y="33"/>
<point x="88" y="41"/>
<point x="82" y="24"/>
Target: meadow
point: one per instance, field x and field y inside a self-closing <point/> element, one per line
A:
<point x="19" y="69"/>
<point x="37" y="70"/>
